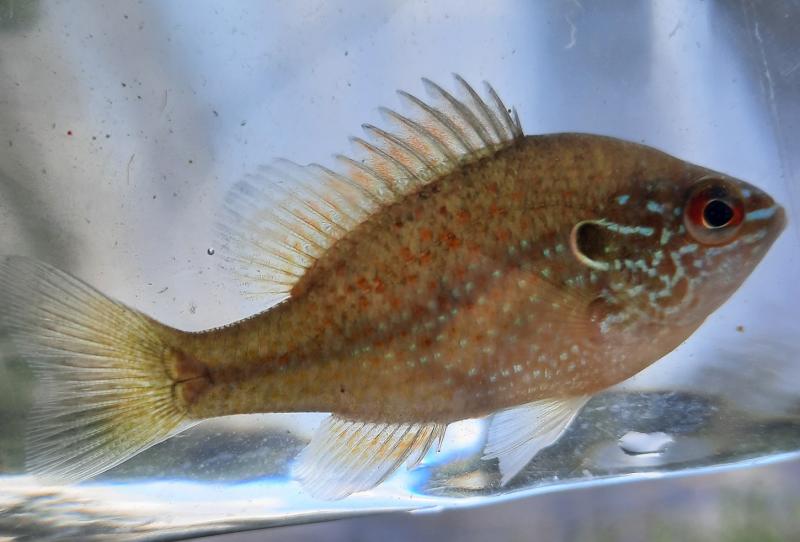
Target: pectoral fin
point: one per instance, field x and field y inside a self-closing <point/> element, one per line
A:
<point x="347" y="456"/>
<point x="516" y="435"/>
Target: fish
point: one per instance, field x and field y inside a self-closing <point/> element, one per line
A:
<point x="451" y="267"/>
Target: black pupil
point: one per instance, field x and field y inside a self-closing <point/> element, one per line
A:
<point x="717" y="213"/>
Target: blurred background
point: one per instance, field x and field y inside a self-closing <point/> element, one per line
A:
<point x="123" y="124"/>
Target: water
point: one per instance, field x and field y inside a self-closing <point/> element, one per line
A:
<point x="122" y="125"/>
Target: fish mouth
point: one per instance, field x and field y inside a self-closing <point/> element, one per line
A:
<point x="780" y="219"/>
<point x="778" y="223"/>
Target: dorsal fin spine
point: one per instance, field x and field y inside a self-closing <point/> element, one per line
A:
<point x="420" y="130"/>
<point x="383" y="154"/>
<point x="462" y="110"/>
<point x="394" y="140"/>
<point x="443" y="121"/>
<point x="488" y="115"/>
<point x="517" y="123"/>
<point x="382" y="184"/>
<point x="509" y="124"/>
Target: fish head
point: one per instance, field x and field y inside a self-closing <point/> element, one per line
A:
<point x="672" y="245"/>
<point x="725" y="226"/>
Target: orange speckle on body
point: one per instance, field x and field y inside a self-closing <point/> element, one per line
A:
<point x="450" y="239"/>
<point x="363" y="284"/>
<point x="503" y="235"/>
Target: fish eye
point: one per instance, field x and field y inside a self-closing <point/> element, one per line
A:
<point x="714" y="212"/>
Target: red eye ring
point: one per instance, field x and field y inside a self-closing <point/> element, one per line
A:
<point x="714" y="212"/>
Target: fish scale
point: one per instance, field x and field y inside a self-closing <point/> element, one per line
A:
<point x="452" y="268"/>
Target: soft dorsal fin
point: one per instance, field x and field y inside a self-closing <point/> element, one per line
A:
<point x="346" y="456"/>
<point x="517" y="434"/>
<point x="280" y="220"/>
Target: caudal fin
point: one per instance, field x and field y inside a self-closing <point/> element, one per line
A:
<point x="103" y="393"/>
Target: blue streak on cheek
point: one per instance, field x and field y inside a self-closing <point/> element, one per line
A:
<point x="623" y="199"/>
<point x="761" y="214"/>
<point x="655" y="207"/>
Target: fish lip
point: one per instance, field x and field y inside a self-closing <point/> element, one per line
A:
<point x="781" y="220"/>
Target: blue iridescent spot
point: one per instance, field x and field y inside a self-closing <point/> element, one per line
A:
<point x="761" y="214"/>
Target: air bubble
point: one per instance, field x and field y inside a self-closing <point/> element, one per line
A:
<point x="210" y="251"/>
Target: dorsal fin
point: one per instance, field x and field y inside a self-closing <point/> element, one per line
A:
<point x="280" y="220"/>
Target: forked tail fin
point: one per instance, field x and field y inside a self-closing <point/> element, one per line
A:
<point x="104" y="394"/>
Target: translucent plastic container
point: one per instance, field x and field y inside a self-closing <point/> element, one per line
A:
<point x="123" y="125"/>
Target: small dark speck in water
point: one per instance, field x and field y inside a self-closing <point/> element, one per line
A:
<point x="210" y="251"/>
<point x="69" y="132"/>
<point x="164" y="289"/>
<point x="193" y="308"/>
<point x="740" y="329"/>
<point x="191" y="161"/>
<point x="243" y="123"/>
<point x="215" y="112"/>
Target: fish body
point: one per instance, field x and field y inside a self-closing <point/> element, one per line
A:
<point x="456" y="270"/>
<point x="466" y="298"/>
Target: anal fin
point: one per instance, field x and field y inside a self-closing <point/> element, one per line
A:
<point x="517" y="434"/>
<point x="346" y="456"/>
